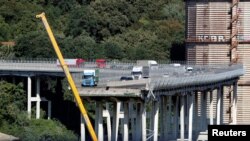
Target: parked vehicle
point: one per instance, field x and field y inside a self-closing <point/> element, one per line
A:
<point x="101" y="63"/>
<point x="189" y="69"/>
<point x="126" y="78"/>
<point x="139" y="72"/>
<point x="72" y="62"/>
<point x="90" y="78"/>
<point x="151" y="63"/>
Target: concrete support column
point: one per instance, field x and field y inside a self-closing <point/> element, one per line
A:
<point x="29" y="97"/>
<point x="38" y="98"/>
<point x="190" y="118"/>
<point x="155" y="119"/>
<point x="106" y="114"/>
<point x="222" y="106"/>
<point x="204" y="110"/>
<point x="234" y="104"/>
<point x="99" y="120"/>
<point x="169" y="116"/>
<point x="83" y="137"/>
<point x="132" y="120"/>
<point x="49" y="109"/>
<point x="211" y="108"/>
<point x="126" y="122"/>
<point x="176" y="116"/>
<point x="186" y="113"/>
<point x="115" y="122"/>
<point x="218" y="107"/>
<point x="164" y="117"/>
<point x="182" y="118"/>
<point x="196" y="109"/>
<point x="138" y="122"/>
<point x="141" y="122"/>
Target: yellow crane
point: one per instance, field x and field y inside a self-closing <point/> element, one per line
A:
<point x="68" y="75"/>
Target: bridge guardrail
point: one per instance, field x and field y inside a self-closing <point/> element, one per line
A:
<point x="166" y="74"/>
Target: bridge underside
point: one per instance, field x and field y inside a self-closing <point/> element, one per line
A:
<point x="164" y="113"/>
<point x="161" y="114"/>
<point x="162" y="107"/>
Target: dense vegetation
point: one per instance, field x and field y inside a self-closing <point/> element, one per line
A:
<point x="89" y="29"/>
<point x="112" y="29"/>
<point x="14" y="121"/>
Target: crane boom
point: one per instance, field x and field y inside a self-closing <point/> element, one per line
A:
<point x="68" y="75"/>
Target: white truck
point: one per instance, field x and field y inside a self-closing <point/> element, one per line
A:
<point x="72" y="62"/>
<point x="151" y="63"/>
<point x="139" y="72"/>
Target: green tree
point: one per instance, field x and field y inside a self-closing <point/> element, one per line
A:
<point x="34" y="45"/>
<point x="113" y="51"/>
<point x="83" y="28"/>
<point x="141" y="44"/>
<point x="5" y="29"/>
<point x="13" y="101"/>
<point x="102" y="19"/>
<point x="82" y="19"/>
<point x="82" y="46"/>
<point x="14" y="121"/>
<point x="6" y="52"/>
<point x="19" y="15"/>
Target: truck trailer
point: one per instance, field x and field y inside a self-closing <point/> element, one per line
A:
<point x="152" y="64"/>
<point x="72" y="62"/>
<point x="100" y="63"/>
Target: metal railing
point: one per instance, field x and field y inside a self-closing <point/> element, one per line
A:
<point x="167" y="75"/>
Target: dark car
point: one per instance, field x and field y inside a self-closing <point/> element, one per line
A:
<point x="126" y="78"/>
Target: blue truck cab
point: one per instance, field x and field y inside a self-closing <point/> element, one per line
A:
<point x="90" y="78"/>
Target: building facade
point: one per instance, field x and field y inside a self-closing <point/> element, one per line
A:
<point x="218" y="32"/>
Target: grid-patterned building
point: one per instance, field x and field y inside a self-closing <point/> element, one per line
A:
<point x="218" y="31"/>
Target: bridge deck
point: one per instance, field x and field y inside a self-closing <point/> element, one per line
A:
<point x="103" y="92"/>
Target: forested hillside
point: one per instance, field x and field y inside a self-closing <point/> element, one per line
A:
<point x="90" y="29"/>
<point x="14" y="121"/>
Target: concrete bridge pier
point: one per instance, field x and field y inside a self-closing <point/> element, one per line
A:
<point x="132" y="114"/>
<point x="154" y="121"/>
<point x="106" y="114"/>
<point x="100" y="115"/>
<point x="176" y="117"/>
<point x="122" y="114"/>
<point x="29" y="96"/>
<point x="165" y="117"/>
<point x="82" y="129"/>
<point x="190" y="116"/>
<point x="99" y="120"/>
<point x="141" y="122"/>
<point x="211" y="104"/>
<point x="234" y="104"/>
<point x="126" y="121"/>
<point x="182" y="118"/>
<point x="218" y="107"/>
<point x="115" y="122"/>
<point x="37" y="99"/>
